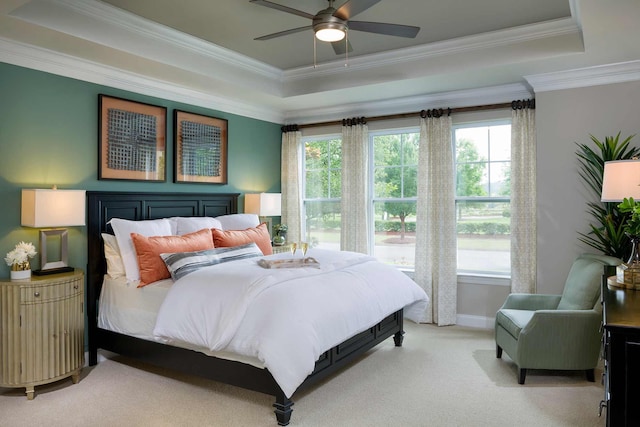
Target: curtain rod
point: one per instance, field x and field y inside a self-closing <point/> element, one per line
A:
<point x="514" y="105"/>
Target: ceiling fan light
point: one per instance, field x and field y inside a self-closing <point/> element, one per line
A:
<point x="330" y="34"/>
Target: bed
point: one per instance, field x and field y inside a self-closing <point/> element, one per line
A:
<point x="104" y="206"/>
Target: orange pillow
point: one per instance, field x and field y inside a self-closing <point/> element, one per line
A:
<point x="148" y="250"/>
<point x="259" y="235"/>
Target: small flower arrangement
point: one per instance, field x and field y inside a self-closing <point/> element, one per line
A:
<point x="19" y="257"/>
<point x="280" y="229"/>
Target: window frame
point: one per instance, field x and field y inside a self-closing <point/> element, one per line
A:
<point x="371" y="199"/>
<point x="463" y="277"/>
<point x="479" y="277"/>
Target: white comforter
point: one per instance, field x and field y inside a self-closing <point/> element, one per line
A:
<point x="285" y="317"/>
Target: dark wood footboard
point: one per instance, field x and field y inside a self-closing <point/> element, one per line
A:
<point x="243" y="375"/>
<point x="102" y="206"/>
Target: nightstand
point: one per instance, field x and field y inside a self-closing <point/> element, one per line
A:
<point x="42" y="325"/>
<point x="282" y="249"/>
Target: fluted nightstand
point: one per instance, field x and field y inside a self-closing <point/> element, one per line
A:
<point x="42" y="325"/>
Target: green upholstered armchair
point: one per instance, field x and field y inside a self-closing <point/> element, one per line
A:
<point x="559" y="332"/>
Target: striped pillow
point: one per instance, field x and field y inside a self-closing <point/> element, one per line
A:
<point x="180" y="264"/>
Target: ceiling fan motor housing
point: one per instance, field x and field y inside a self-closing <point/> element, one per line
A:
<point x="325" y="20"/>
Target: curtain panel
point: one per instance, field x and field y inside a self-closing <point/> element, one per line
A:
<point x="354" y="228"/>
<point x="435" y="269"/>
<point x="523" y="199"/>
<point x="291" y="184"/>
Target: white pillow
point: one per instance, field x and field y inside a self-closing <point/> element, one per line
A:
<point x="123" y="228"/>
<point x="185" y="225"/>
<point x="115" y="266"/>
<point x="238" y="221"/>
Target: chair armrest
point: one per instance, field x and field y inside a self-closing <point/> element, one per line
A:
<point x="562" y="322"/>
<point x="531" y="302"/>
<point x="565" y="339"/>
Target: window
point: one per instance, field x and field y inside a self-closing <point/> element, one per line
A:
<point x="322" y="187"/>
<point x="395" y="177"/>
<point x="483" y="170"/>
<point x="482" y="181"/>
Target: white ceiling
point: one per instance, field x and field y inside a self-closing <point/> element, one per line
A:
<point x="203" y="52"/>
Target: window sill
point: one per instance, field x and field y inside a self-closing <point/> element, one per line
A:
<point x="476" y="279"/>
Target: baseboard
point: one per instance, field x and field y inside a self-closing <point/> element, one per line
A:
<point x="475" y="321"/>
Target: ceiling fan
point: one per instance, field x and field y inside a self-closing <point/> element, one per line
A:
<point x="331" y="25"/>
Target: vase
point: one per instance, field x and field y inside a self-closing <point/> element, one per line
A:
<point x="279" y="240"/>
<point x="21" y="270"/>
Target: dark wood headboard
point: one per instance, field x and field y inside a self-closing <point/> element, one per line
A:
<point x="104" y="205"/>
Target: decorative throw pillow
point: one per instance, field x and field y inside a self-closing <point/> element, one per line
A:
<point x="123" y="228"/>
<point x="148" y="250"/>
<point x="259" y="235"/>
<point x="115" y="267"/>
<point x="182" y="263"/>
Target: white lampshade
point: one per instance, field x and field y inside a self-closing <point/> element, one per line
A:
<point x="53" y="208"/>
<point x="621" y="179"/>
<point x="263" y="204"/>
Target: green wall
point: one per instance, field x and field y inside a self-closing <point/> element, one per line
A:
<point x="49" y="135"/>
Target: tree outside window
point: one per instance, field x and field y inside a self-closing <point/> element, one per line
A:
<point x="395" y="183"/>
<point x="322" y="191"/>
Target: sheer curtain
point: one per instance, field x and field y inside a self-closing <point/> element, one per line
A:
<point x="354" y="233"/>
<point x="291" y="187"/>
<point x="523" y="197"/>
<point x="435" y="269"/>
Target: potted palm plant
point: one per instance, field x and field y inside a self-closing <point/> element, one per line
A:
<point x="607" y="234"/>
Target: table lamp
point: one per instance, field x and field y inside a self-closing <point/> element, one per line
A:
<point x="265" y="205"/>
<point x="52" y="210"/>
<point x="620" y="180"/>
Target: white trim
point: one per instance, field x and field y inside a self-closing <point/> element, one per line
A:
<point x="475" y="321"/>
<point x="584" y="77"/>
<point x="453" y="99"/>
<point x="41" y="59"/>
<point x="492" y="39"/>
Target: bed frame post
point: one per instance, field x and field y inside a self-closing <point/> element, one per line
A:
<point x="283" y="409"/>
<point x="398" y="337"/>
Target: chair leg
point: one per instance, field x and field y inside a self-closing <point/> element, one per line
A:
<point x="591" y="376"/>
<point x="498" y="351"/>
<point x="522" y="373"/>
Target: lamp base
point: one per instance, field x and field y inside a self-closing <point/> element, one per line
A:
<point x="48" y="271"/>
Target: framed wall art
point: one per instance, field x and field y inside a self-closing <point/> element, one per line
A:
<point x="132" y="140"/>
<point x="200" y="152"/>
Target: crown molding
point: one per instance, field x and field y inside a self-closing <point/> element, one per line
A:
<point x="48" y="61"/>
<point x="145" y="28"/>
<point x="117" y="29"/>
<point x="584" y="77"/>
<point x="525" y="33"/>
<point x="453" y="99"/>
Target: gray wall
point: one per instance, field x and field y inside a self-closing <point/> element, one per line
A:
<point x="563" y="118"/>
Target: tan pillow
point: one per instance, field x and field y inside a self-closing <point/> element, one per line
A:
<point x="259" y="235"/>
<point x="115" y="266"/>
<point x="148" y="250"/>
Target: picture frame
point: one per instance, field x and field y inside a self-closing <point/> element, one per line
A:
<point x="132" y="140"/>
<point x="200" y="148"/>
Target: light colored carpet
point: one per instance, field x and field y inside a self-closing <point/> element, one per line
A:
<point x="447" y="376"/>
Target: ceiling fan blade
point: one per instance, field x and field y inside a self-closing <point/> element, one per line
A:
<point x="353" y="7"/>
<point x="282" y="8"/>
<point x="339" y="47"/>
<point x="284" y="33"/>
<point x="384" y="28"/>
